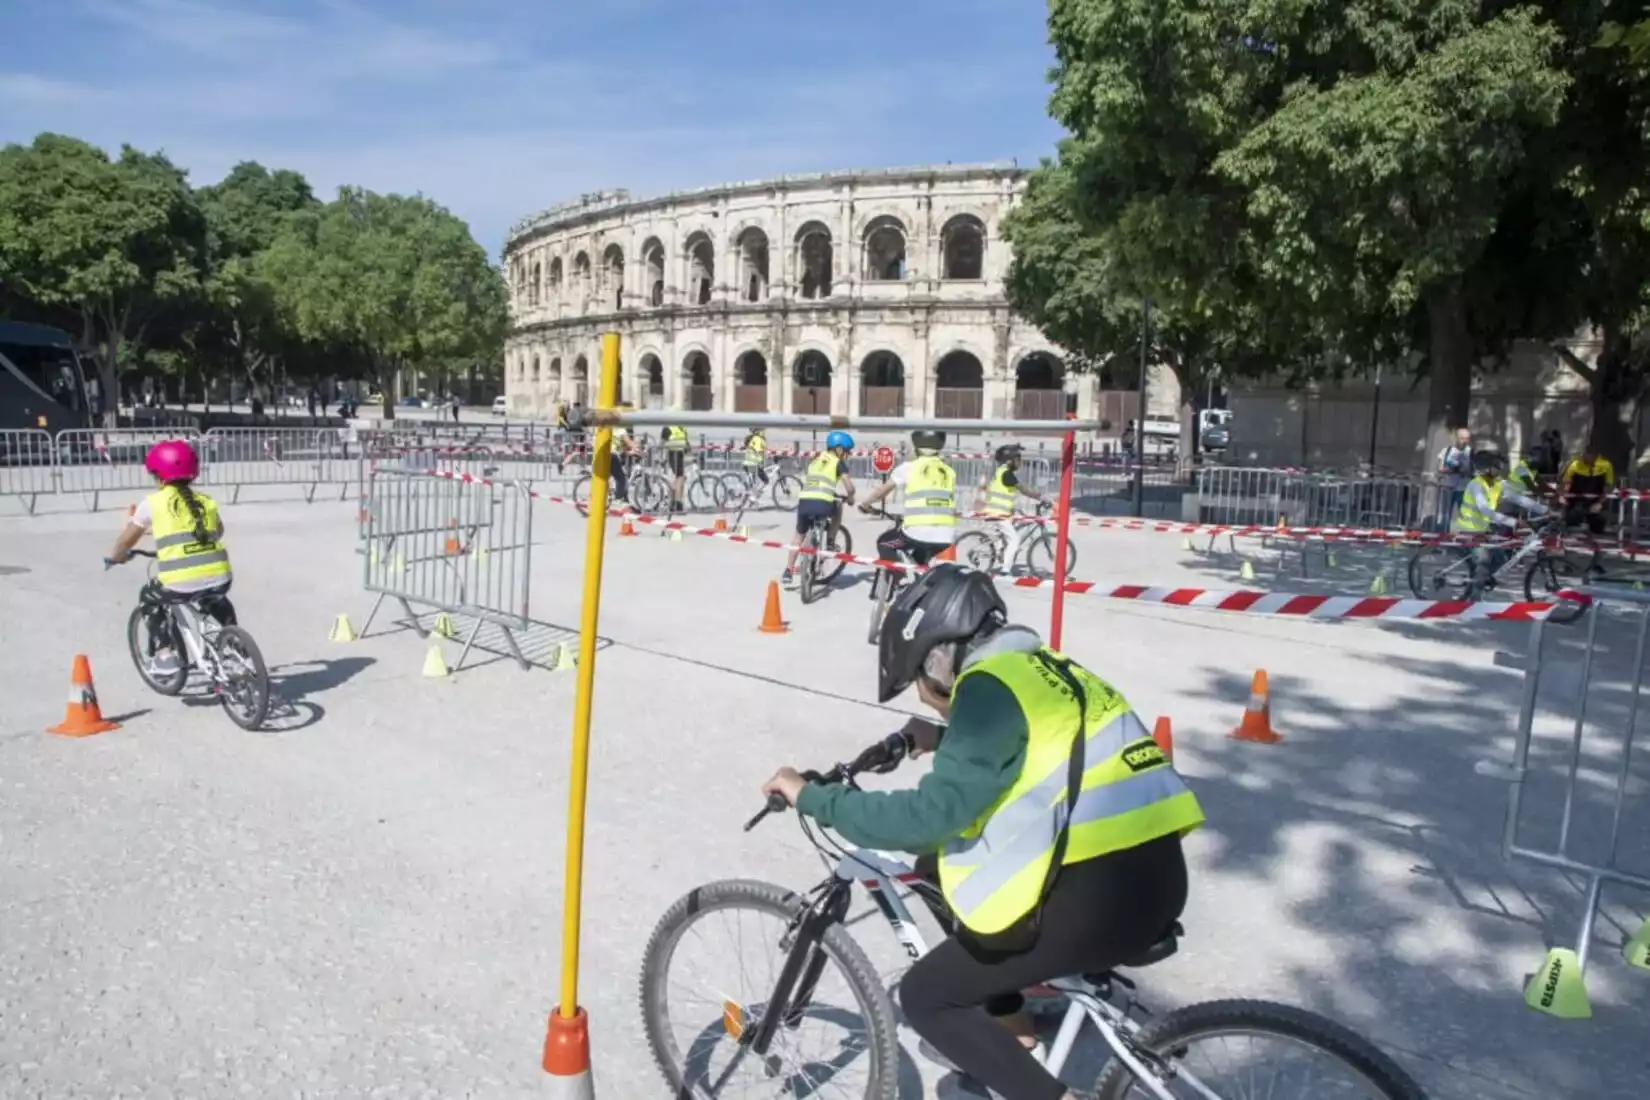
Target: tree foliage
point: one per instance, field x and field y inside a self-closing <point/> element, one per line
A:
<point x="1307" y="187"/>
<point x="242" y="276"/>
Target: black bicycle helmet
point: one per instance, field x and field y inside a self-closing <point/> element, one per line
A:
<point x="1485" y="459"/>
<point x="928" y="440"/>
<point x="949" y="603"/>
<point x="1008" y="452"/>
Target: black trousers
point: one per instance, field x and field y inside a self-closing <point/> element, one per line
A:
<point x="1099" y="912"/>
<point x="157" y="616"/>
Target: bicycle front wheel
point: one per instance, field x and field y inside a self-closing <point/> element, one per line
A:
<point x="978" y="549"/>
<point x="1306" y="1056"/>
<point x="705" y="493"/>
<point x="787" y="489"/>
<point x="1040" y="555"/>
<point x="245" y="687"/>
<point x="841" y="542"/>
<point x="1440" y="574"/>
<point x="1546" y="578"/>
<point x="143" y="646"/>
<point x="842" y="1042"/>
<point x="807" y="577"/>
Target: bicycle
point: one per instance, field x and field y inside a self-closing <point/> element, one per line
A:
<point x="647" y="490"/>
<point x="230" y="659"/>
<point x="744" y="489"/>
<point x="1149" y="1054"/>
<point x="886" y="583"/>
<point x="1555" y="573"/>
<point x="817" y="567"/>
<point x="985" y="547"/>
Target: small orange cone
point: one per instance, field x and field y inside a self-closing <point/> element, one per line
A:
<point x="948" y="554"/>
<point x="452" y="548"/>
<point x="567" y="1055"/>
<point x="82" y="717"/>
<point x="1164" y="736"/>
<point x="771" y="622"/>
<point x="720" y="524"/>
<point x="1257" y="716"/>
<point x="626" y="528"/>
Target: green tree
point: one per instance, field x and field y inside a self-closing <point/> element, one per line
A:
<point x="114" y="241"/>
<point x="398" y="277"/>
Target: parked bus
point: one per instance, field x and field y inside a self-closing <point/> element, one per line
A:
<point x="42" y="379"/>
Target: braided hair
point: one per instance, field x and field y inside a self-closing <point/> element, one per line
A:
<point x="196" y="512"/>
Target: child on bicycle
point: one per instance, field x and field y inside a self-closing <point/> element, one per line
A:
<point x="756" y="453"/>
<point x="189" y="553"/>
<point x="999" y="501"/>
<point x="929" y="503"/>
<point x="1489" y="501"/>
<point x="1040" y="880"/>
<point x="818" y="499"/>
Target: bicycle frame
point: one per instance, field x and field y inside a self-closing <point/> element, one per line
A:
<point x="879" y="874"/>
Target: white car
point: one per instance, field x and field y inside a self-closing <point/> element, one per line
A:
<point x="501" y="405"/>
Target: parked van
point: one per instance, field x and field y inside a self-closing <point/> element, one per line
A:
<point x="501" y="405"/>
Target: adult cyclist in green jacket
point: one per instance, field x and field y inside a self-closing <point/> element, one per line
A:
<point x="1029" y="898"/>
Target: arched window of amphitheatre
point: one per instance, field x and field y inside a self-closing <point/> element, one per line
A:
<point x="533" y="286"/>
<point x="613" y="275"/>
<point x="581" y="378"/>
<point x="959" y="382"/>
<point x="653" y="262"/>
<point x="696" y="375"/>
<point x="581" y="278"/>
<point x="653" y="379"/>
<point x="1039" y="387"/>
<point x="962" y="240"/>
<point x="811" y="383"/>
<point x="882" y="385"/>
<point x="753" y="264"/>
<point x="701" y="268"/>
<point x="813" y="260"/>
<point x="751" y="392"/>
<point x="884" y="250"/>
<point x="554" y="286"/>
<point x="535" y="370"/>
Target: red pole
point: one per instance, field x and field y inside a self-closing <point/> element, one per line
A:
<point x="1062" y="538"/>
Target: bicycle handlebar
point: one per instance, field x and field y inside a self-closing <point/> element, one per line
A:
<point x="110" y="563"/>
<point x="880" y="757"/>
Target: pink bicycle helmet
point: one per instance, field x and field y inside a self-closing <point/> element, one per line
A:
<point x="173" y="460"/>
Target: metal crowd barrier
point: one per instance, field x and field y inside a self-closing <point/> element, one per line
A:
<point x="1558" y="987"/>
<point x="94" y="461"/>
<point x="27" y="465"/>
<point x="460" y="547"/>
<point x="236" y="457"/>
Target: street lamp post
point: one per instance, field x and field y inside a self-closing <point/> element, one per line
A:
<point x="1140" y="412"/>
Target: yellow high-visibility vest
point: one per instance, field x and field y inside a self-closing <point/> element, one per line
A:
<point x="999" y="496"/>
<point x="1468" y="519"/>
<point x="930" y="493"/>
<point x="179" y="556"/>
<point x="819" y="483"/>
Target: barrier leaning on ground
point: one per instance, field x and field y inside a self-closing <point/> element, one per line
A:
<point x="455" y="546"/>
<point x="1558" y="987"/>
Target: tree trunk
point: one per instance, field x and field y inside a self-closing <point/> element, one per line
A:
<point x="1614" y="396"/>
<point x="386" y="388"/>
<point x="1450" y="359"/>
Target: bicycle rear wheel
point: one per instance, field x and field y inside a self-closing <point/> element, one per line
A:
<point x="1440" y="573"/>
<point x="648" y="492"/>
<point x="1546" y="578"/>
<point x="978" y="549"/>
<point x="245" y="693"/>
<point x="695" y="1040"/>
<point x="705" y="493"/>
<point x="1166" y="1046"/>
<point x="787" y="488"/>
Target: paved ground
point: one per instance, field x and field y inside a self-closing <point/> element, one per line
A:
<point x="365" y="901"/>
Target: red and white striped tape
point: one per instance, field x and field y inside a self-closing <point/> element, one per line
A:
<point x="1284" y="604"/>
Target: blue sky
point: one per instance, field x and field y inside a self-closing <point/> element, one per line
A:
<point x="498" y="108"/>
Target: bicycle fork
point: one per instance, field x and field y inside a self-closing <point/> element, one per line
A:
<point x="793" y="991"/>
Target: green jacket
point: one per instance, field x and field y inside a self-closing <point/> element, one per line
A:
<point x="978" y="758"/>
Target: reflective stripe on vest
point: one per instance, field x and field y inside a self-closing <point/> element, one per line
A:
<point x="1468" y="519"/>
<point x="179" y="555"/>
<point x="930" y="494"/>
<point x="994" y="874"/>
<point x="999" y="497"/>
<point x="676" y="439"/>
<point x="820" y="481"/>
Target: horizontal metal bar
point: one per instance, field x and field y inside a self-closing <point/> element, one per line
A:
<point x="1564" y="863"/>
<point x="646" y="418"/>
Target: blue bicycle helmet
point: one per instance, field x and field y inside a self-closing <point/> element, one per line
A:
<point x="839" y="439"/>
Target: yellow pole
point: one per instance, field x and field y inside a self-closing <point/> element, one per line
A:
<point x="595" y="539"/>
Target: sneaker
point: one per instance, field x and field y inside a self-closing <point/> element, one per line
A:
<point x="926" y="1049"/>
<point x="787" y="579"/>
<point x="164" y="663"/>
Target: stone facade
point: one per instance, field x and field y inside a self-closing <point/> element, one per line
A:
<point x="868" y="293"/>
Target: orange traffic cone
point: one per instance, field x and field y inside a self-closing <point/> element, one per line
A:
<point x="771" y="622"/>
<point x="1164" y="736"/>
<point x="452" y="548"/>
<point x="720" y="524"/>
<point x="82" y="717"/>
<point x="1257" y="716"/>
<point x="626" y="528"/>
<point x="567" y="1056"/>
<point x="948" y="554"/>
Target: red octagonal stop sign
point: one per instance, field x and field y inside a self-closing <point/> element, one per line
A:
<point x="882" y="459"/>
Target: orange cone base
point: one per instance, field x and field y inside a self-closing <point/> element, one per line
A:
<point x="1259" y="732"/>
<point x="82" y="728"/>
<point x="772" y="623"/>
<point x="567" y="1056"/>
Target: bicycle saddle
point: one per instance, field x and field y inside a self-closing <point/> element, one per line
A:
<point x="1167" y="945"/>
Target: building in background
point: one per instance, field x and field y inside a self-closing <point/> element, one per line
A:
<point x="872" y="293"/>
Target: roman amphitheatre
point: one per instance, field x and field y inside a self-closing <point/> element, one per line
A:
<point x="867" y="292"/>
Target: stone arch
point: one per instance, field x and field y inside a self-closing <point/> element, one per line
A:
<point x="814" y="258"/>
<point x="553" y="377"/>
<point x="811" y="382"/>
<point x="535" y="375"/>
<point x="959" y="386"/>
<point x="752" y="245"/>
<point x="554" y="281"/>
<point x="698" y="393"/>
<point x="700" y="256"/>
<point x="653" y="268"/>
<point x="750" y="372"/>
<point x="882" y="384"/>
<point x="613" y="276"/>
<point x="883" y="250"/>
<point x="533" y="284"/>
<point x="962" y="248"/>
<point x="652" y="381"/>
<point x="581" y="379"/>
<point x="1039" y="386"/>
